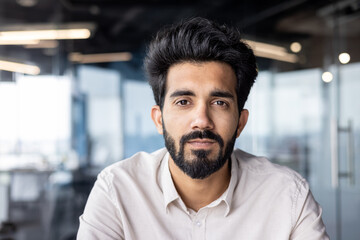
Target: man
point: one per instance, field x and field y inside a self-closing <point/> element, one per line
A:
<point x="198" y="187"/>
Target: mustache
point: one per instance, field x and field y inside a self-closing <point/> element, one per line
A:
<point x="206" y="134"/>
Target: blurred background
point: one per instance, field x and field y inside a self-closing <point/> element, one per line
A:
<point x="74" y="99"/>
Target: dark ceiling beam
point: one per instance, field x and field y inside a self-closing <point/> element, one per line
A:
<point x="270" y="12"/>
<point x="128" y="17"/>
<point x="84" y="4"/>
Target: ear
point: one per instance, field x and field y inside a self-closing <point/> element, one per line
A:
<point x="244" y="115"/>
<point x="157" y="118"/>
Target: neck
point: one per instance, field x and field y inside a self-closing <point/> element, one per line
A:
<point x="197" y="193"/>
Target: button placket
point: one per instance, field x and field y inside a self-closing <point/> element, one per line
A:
<point x="199" y="224"/>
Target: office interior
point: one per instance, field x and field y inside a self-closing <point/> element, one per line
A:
<point x="74" y="99"/>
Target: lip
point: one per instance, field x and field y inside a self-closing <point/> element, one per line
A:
<point x="201" y="143"/>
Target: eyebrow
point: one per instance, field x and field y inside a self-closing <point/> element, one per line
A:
<point x="219" y="93"/>
<point x="216" y="93"/>
<point x="182" y="93"/>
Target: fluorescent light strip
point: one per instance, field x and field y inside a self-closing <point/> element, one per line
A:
<point x="261" y="45"/>
<point x="271" y="51"/>
<point x="19" y="67"/>
<point x="288" y="57"/>
<point x="55" y="34"/>
<point x="100" y="57"/>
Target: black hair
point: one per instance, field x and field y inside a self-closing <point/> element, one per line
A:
<point x="199" y="40"/>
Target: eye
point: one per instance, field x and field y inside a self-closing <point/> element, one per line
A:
<point x="220" y="103"/>
<point x="182" y="102"/>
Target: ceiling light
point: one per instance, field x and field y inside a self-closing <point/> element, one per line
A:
<point x="27" y="3"/>
<point x="272" y="51"/>
<point x="100" y="57"/>
<point x="344" y="58"/>
<point x="286" y="57"/>
<point x="261" y="45"/>
<point x="52" y="34"/>
<point x="327" y="77"/>
<point x="19" y="67"/>
<point x="295" y="47"/>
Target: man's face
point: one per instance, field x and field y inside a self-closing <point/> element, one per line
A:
<point x="200" y="119"/>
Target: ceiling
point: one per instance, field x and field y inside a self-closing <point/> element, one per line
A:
<point x="323" y="27"/>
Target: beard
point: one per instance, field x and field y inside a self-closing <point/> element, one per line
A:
<point x="200" y="166"/>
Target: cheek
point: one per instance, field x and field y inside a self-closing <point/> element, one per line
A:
<point x="228" y="124"/>
<point x="172" y="128"/>
<point x="176" y="122"/>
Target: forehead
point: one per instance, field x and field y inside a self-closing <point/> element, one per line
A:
<point x="201" y="76"/>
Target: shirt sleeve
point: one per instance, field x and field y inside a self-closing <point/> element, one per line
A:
<point x="309" y="224"/>
<point x="101" y="218"/>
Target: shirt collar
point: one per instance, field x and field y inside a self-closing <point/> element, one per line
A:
<point x="170" y="193"/>
<point x="168" y="187"/>
<point x="228" y="195"/>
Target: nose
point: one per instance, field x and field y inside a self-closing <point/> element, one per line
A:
<point x="202" y="118"/>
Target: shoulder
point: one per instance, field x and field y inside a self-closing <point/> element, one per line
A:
<point x="138" y="167"/>
<point x="262" y="168"/>
<point x="285" y="190"/>
<point x="139" y="159"/>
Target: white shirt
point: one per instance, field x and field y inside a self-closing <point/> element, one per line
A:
<point x="136" y="199"/>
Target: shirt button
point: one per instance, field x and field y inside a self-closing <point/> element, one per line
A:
<point x="198" y="223"/>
